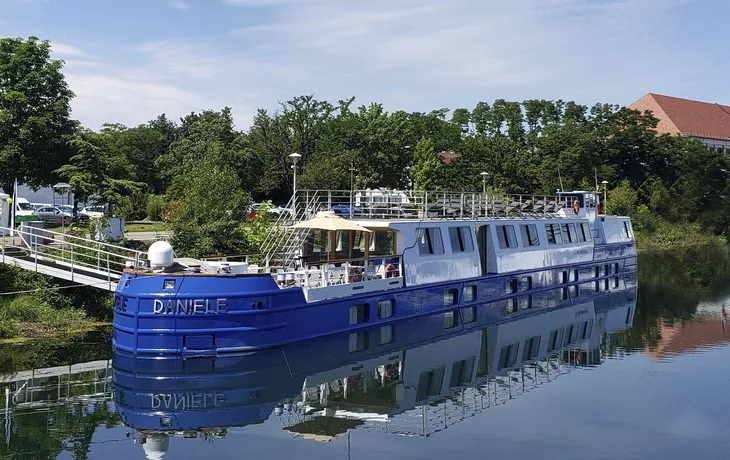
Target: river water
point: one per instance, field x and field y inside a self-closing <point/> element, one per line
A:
<point x="632" y="373"/>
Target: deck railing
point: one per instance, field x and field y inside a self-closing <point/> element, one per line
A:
<point x="332" y="273"/>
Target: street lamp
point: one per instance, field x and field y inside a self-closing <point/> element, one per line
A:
<point x="484" y="175"/>
<point x="605" y="201"/>
<point x="62" y="188"/>
<point x="295" y="159"/>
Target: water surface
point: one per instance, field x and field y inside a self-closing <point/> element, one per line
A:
<point x="643" y="375"/>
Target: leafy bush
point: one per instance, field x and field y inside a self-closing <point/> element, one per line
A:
<point x="155" y="207"/>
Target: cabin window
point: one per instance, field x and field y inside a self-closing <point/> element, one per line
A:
<point x="525" y="283"/>
<point x="429" y="383"/>
<point x="470" y="293"/>
<point x="627" y="230"/>
<point x="451" y="296"/>
<point x="385" y="308"/>
<point x="470" y="315"/>
<point x="449" y="320"/>
<point x="358" y="341"/>
<point x="526" y="302"/>
<point x="597" y="286"/>
<point x="386" y="335"/>
<point x="429" y="241"/>
<point x="569" y="235"/>
<point x="615" y="268"/>
<point x="574" y="291"/>
<point x="597" y="272"/>
<point x="511" y="287"/>
<point x="553" y="234"/>
<point x="555" y="340"/>
<point x="586" y="330"/>
<point x="461" y="372"/>
<point x="508" y="355"/>
<point x="358" y="314"/>
<point x="511" y="305"/>
<point x="585" y="232"/>
<point x="606" y="270"/>
<point x="564" y="293"/>
<point x="615" y="283"/>
<point x="575" y="275"/>
<point x="382" y="243"/>
<point x="568" y="338"/>
<point x="506" y="236"/>
<point x="461" y="239"/>
<point x="529" y="235"/>
<point x="564" y="277"/>
<point x="605" y="284"/>
<point x="531" y="348"/>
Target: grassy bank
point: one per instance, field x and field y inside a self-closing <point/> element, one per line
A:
<point x="667" y="235"/>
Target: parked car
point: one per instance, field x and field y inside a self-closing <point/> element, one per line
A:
<point x="54" y="214"/>
<point x="94" y="212"/>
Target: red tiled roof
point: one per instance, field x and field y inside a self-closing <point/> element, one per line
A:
<point x="684" y="338"/>
<point x="687" y="117"/>
<point x="448" y="156"/>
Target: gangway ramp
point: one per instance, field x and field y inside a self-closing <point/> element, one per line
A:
<point x="68" y="257"/>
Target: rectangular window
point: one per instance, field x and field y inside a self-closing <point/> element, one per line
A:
<point x="553" y="234"/>
<point x="429" y="241"/>
<point x="569" y="235"/>
<point x="615" y="282"/>
<point x="585" y="231"/>
<point x="506" y="236"/>
<point x="615" y="268"/>
<point x="358" y="341"/>
<point x="568" y="338"/>
<point x="605" y="284"/>
<point x="574" y="291"/>
<point x="449" y="320"/>
<point x="529" y="235"/>
<point x="606" y="270"/>
<point x="386" y="335"/>
<point x="597" y="286"/>
<point x="564" y="293"/>
<point x="451" y="296"/>
<point x="508" y="355"/>
<point x="511" y="286"/>
<point x="385" y="308"/>
<point x="525" y="283"/>
<point x="598" y="272"/>
<point x="359" y="314"/>
<point x="429" y="383"/>
<point x="470" y="293"/>
<point x="461" y="239"/>
<point x="526" y="302"/>
<point x="511" y="305"/>
<point x="564" y="277"/>
<point x="461" y="372"/>
<point x="555" y="340"/>
<point x="470" y="315"/>
<point x="627" y="230"/>
<point x="575" y="275"/>
<point x="531" y="349"/>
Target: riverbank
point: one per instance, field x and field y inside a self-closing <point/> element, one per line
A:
<point x="666" y="235"/>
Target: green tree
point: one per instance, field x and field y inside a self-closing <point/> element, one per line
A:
<point x="428" y="170"/>
<point x="34" y="113"/>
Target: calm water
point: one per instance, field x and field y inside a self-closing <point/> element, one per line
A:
<point x="639" y="373"/>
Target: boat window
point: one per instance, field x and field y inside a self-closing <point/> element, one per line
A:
<point x="564" y="294"/>
<point x="449" y="320"/>
<point x="526" y="302"/>
<point x="555" y="340"/>
<point x="461" y="372"/>
<point x="598" y="272"/>
<point x="597" y="287"/>
<point x="615" y="268"/>
<point x="615" y="283"/>
<point x="358" y="341"/>
<point x="605" y="284"/>
<point x="470" y="315"/>
<point x="574" y="291"/>
<point x="529" y="235"/>
<point x="584" y="233"/>
<point x="382" y="243"/>
<point x="525" y="283"/>
<point x="450" y="296"/>
<point x="429" y="241"/>
<point x="470" y="293"/>
<point x="461" y="239"/>
<point x="512" y="305"/>
<point x="564" y="277"/>
<point x="358" y="314"/>
<point x="511" y="286"/>
<point x="506" y="236"/>
<point x="531" y="348"/>
<point x="429" y="383"/>
<point x="386" y="335"/>
<point x="569" y="235"/>
<point x="627" y="231"/>
<point x="508" y="355"/>
<point x="576" y="275"/>
<point x="385" y="308"/>
<point x="553" y="234"/>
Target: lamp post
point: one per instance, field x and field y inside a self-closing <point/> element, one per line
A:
<point x="484" y="175"/>
<point x="62" y="188"/>
<point x="605" y="201"/>
<point x="352" y="187"/>
<point x="295" y="159"/>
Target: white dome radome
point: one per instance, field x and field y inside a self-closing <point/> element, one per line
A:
<point x="160" y="254"/>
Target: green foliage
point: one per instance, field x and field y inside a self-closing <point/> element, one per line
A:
<point x="622" y="200"/>
<point x="133" y="206"/>
<point x="427" y="172"/>
<point x="155" y="207"/>
<point x="34" y="113"/>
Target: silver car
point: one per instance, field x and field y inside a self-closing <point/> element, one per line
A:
<point x="54" y="215"/>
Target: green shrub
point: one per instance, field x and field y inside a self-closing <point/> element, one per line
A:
<point x="155" y="207"/>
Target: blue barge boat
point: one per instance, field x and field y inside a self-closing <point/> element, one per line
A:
<point x="397" y="254"/>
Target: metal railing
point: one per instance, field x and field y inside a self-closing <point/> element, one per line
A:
<point x="419" y="204"/>
<point x="72" y="254"/>
<point x="332" y="273"/>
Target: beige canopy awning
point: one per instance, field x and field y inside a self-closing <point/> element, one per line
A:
<point x="331" y="223"/>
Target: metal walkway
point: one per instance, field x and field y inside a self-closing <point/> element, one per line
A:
<point x="67" y="257"/>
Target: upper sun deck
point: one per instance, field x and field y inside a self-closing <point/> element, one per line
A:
<point x="389" y="205"/>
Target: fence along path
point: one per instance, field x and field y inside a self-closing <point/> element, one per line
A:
<point x="71" y="258"/>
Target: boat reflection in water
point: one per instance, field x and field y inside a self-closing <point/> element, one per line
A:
<point x="414" y="377"/>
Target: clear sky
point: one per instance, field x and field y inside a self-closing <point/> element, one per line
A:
<point x="130" y="60"/>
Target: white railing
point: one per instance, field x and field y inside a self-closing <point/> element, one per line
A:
<point x="341" y="272"/>
<point x="74" y="255"/>
<point x="418" y="204"/>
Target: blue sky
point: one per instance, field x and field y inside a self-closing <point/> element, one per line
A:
<point x="129" y="60"/>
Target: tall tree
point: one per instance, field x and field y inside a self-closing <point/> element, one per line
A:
<point x="34" y="113"/>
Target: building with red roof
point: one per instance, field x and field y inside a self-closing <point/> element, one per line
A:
<point x="706" y="121"/>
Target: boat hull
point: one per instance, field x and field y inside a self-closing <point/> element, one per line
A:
<point x="170" y="315"/>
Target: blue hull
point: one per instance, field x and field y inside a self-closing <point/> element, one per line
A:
<point x="227" y="314"/>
